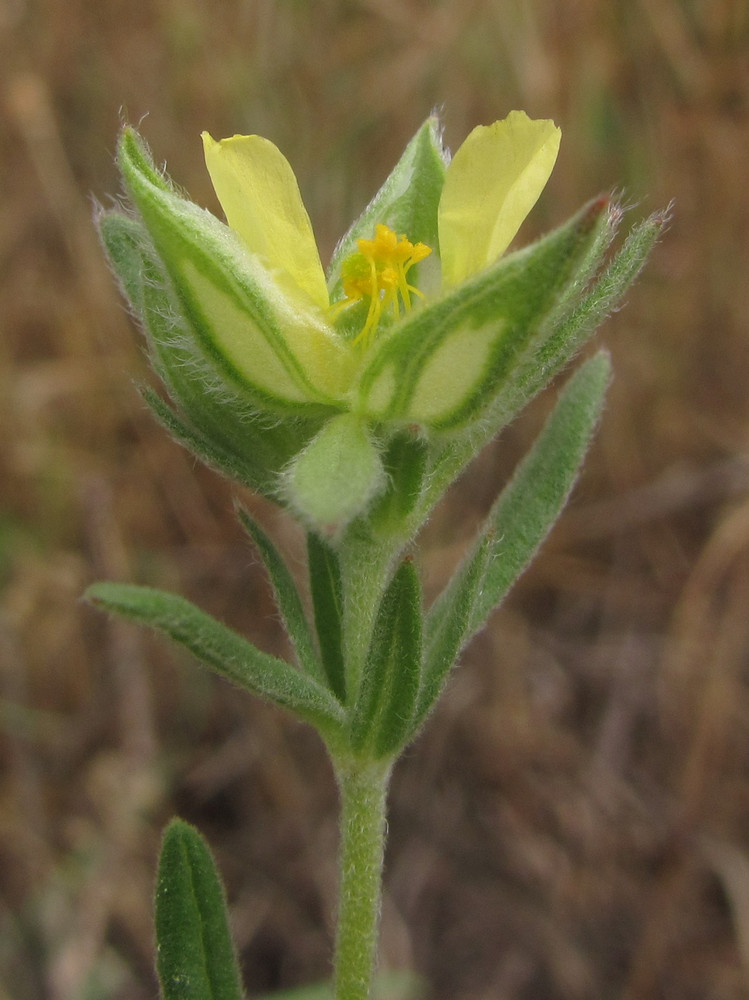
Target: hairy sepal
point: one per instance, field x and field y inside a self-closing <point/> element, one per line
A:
<point x="594" y="290"/>
<point x="444" y="365"/>
<point x="407" y="202"/>
<point x="215" y="421"/>
<point x="336" y="477"/>
<point x="578" y="313"/>
<point x="277" y="348"/>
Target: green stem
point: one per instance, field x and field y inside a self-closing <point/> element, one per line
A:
<point x="363" y="789"/>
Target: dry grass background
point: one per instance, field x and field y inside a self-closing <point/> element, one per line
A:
<point x="574" y="823"/>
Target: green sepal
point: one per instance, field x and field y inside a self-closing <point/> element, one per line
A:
<point x="214" y="422"/>
<point x="125" y="241"/>
<point x="288" y="600"/>
<point x="383" y="712"/>
<point x="257" y="467"/>
<point x="443" y="366"/>
<point x="576" y="317"/>
<point x="327" y="603"/>
<point x="224" y="651"/>
<point x="407" y="201"/>
<point x="275" y="348"/>
<point x="581" y="305"/>
<point x="195" y="958"/>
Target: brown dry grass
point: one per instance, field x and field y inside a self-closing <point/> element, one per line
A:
<point x="574" y="822"/>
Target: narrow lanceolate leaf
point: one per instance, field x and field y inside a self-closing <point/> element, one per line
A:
<point x="448" y="625"/>
<point x="445" y="363"/>
<point x="512" y="533"/>
<point x="382" y="715"/>
<point x="223" y="650"/>
<point x="288" y="601"/>
<point x="532" y="501"/>
<point x="407" y="201"/>
<point x="276" y="347"/>
<point x="327" y="602"/>
<point x="194" y="954"/>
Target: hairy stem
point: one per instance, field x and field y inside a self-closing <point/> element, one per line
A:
<point x="363" y="790"/>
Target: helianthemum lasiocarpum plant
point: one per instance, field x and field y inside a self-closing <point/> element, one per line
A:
<point x="354" y="399"/>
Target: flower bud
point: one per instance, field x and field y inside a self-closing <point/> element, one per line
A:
<point x="337" y="475"/>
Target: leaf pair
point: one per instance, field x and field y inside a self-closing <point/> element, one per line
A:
<point x="409" y="656"/>
<point x="406" y="671"/>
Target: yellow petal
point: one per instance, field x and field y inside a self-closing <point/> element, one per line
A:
<point x="260" y="198"/>
<point x="492" y="183"/>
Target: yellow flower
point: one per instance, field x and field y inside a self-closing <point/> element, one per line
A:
<point x="490" y="186"/>
<point x="298" y="382"/>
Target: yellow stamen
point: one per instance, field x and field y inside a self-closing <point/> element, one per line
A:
<point x="378" y="271"/>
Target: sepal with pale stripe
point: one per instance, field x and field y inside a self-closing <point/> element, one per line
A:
<point x="274" y="347"/>
<point x="443" y="366"/>
<point x="212" y="418"/>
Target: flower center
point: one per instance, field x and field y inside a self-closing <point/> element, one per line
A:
<point x="378" y="271"/>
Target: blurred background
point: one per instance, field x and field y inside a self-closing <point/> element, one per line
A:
<point x="574" y="822"/>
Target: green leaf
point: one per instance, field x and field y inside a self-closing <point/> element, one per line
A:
<point x="515" y="527"/>
<point x="389" y="686"/>
<point x="448" y="625"/>
<point x="224" y="651"/>
<point x="327" y="601"/>
<point x="194" y="953"/>
<point x="407" y="201"/>
<point x="528" y="507"/>
<point x="288" y="601"/>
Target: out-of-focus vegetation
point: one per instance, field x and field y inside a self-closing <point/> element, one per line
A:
<point x="574" y="822"/>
